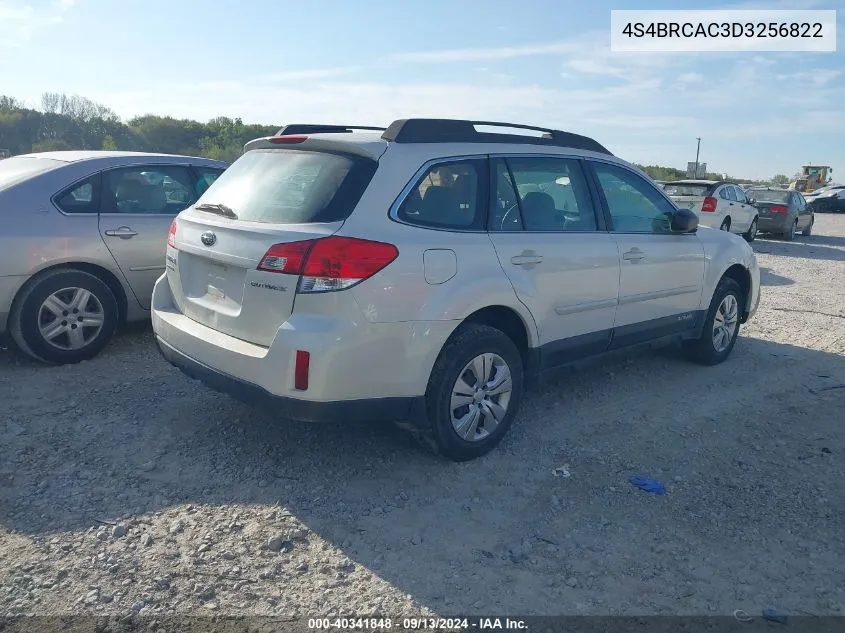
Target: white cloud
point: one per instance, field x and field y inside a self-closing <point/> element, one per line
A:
<point x="479" y="54"/>
<point x="19" y="23"/>
<point x="310" y="73"/>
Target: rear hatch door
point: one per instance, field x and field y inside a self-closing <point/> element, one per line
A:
<point x="266" y="197"/>
<point x="689" y="202"/>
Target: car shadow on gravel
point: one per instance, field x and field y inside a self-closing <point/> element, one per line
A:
<point x="768" y="278"/>
<point x="803" y="247"/>
<point x="749" y="450"/>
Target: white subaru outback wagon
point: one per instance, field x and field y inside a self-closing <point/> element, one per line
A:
<point x="431" y="271"/>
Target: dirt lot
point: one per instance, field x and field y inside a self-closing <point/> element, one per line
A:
<point x="125" y="487"/>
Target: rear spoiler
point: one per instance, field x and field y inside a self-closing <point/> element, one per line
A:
<point x="372" y="149"/>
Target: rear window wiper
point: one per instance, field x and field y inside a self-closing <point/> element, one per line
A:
<point x="219" y="209"/>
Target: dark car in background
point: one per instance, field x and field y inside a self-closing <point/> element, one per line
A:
<point x="781" y="211"/>
<point x="830" y="199"/>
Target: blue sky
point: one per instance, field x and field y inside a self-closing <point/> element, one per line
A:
<point x="544" y="62"/>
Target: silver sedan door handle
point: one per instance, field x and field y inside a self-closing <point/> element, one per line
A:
<point x="123" y="232"/>
<point x="633" y="255"/>
<point x="524" y="260"/>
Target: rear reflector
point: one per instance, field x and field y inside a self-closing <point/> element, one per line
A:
<point x="709" y="205"/>
<point x="778" y="208"/>
<point x="290" y="138"/>
<point x="171" y="235"/>
<point x="331" y="263"/>
<point x="300" y="372"/>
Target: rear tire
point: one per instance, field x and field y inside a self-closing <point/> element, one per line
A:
<point x="716" y="342"/>
<point x="63" y="317"/>
<point x="457" y="400"/>
<point x="809" y="230"/>
<point x="726" y="225"/>
<point x="751" y="233"/>
<point x="790" y="233"/>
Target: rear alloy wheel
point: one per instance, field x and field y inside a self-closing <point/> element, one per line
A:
<point x="807" y="232"/>
<point x="790" y="232"/>
<point x="473" y="393"/>
<point x="721" y="327"/>
<point x="751" y="233"/>
<point x="63" y="317"/>
<point x="726" y="225"/>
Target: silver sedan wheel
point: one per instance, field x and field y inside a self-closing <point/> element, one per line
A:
<point x="480" y="397"/>
<point x="725" y="323"/>
<point x="71" y="318"/>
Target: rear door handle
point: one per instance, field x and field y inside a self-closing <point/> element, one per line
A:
<point x="524" y="260"/>
<point x="123" y="232"/>
<point x="633" y="255"/>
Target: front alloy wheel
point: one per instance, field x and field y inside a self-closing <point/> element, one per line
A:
<point x="725" y="323"/>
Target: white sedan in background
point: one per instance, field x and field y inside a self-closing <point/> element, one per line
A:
<point x="718" y="204"/>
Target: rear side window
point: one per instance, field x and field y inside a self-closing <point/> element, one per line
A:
<point x="292" y="186"/>
<point x="152" y="190"/>
<point x="206" y="176"/>
<point x="19" y="168"/>
<point x="448" y="196"/>
<point x="81" y="197"/>
<point x="542" y="195"/>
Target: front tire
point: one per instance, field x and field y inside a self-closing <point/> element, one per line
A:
<point x="474" y="392"/>
<point x="751" y="233"/>
<point x="721" y="326"/>
<point x="64" y="317"/>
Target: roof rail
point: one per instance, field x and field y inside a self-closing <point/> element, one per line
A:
<point x="464" y="131"/>
<point x="316" y="128"/>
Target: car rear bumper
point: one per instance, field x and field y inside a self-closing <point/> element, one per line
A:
<point x="774" y="225"/>
<point x="368" y="410"/>
<point x="357" y="369"/>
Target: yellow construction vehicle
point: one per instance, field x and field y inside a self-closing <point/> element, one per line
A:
<point x="812" y="177"/>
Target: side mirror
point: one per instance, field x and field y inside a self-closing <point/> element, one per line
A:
<point x="752" y="201"/>
<point x="684" y="221"/>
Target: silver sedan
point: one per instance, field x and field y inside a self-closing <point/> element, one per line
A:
<point x="83" y="241"/>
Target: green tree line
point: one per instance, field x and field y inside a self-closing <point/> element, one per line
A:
<point x="72" y="122"/>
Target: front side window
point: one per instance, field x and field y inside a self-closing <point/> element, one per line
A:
<point x="148" y="190"/>
<point x="542" y="195"/>
<point x="635" y="206"/>
<point x="448" y="196"/>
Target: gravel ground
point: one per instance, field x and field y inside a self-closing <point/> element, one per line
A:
<point x="126" y="488"/>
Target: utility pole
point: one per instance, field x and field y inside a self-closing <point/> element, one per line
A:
<point x="696" y="156"/>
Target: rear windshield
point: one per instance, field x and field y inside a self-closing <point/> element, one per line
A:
<point x="292" y="186"/>
<point x="681" y="189"/>
<point x="767" y="195"/>
<point x="19" y="168"/>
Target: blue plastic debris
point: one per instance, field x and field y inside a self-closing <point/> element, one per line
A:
<point x="773" y="615"/>
<point x="649" y="485"/>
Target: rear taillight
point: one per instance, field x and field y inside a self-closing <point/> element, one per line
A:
<point x="331" y="263"/>
<point x="171" y="235"/>
<point x="709" y="205"/>
<point x="778" y="208"/>
<point x="290" y="138"/>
